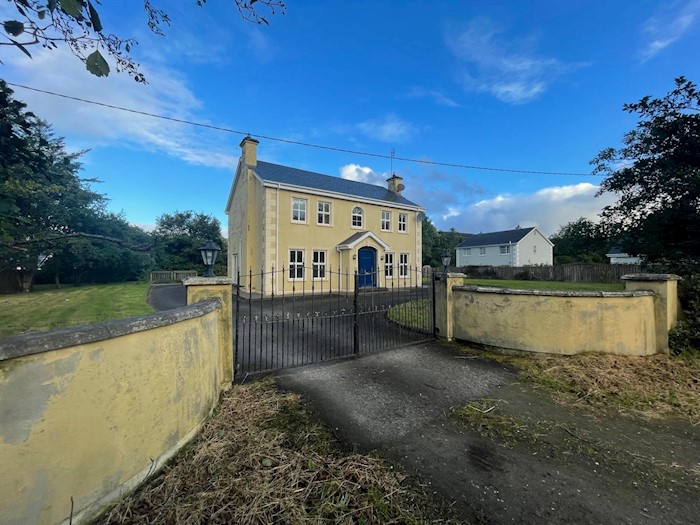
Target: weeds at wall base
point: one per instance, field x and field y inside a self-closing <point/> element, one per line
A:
<point x="652" y="386"/>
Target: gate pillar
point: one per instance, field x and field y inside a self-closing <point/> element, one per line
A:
<point x="221" y="288"/>
<point x="444" y="303"/>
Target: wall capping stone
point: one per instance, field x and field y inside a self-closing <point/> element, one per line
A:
<point x="651" y="277"/>
<point x="551" y="293"/>
<point x="39" y="342"/>
<point x="207" y="281"/>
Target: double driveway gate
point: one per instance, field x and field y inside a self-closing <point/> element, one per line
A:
<point x="296" y="322"/>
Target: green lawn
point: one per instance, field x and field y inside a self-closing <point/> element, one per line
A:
<point x="413" y="314"/>
<point x="50" y="309"/>
<point x="546" y="285"/>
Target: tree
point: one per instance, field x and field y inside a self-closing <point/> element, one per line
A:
<point x="431" y="239"/>
<point x="656" y="176"/>
<point x="178" y="237"/>
<point x="580" y="241"/>
<point x="54" y="215"/>
<point x="93" y="259"/>
<point x="77" y="24"/>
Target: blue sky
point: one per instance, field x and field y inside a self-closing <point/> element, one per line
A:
<point x="523" y="85"/>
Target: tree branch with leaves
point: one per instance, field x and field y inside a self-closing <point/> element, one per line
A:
<point x="77" y="24"/>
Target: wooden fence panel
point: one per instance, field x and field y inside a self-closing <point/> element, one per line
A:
<point x="171" y="276"/>
<point x="581" y="273"/>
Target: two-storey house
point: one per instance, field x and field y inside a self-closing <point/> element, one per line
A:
<point x="305" y="229"/>
<point x="518" y="247"/>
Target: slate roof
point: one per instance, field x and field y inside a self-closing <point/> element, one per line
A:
<point x="308" y="179"/>
<point x="488" y="239"/>
<point x="616" y="250"/>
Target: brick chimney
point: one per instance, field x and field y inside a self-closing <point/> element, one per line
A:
<point x="394" y="184"/>
<point x="249" y="151"/>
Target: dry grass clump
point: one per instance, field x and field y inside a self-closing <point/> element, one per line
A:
<point x="654" y="385"/>
<point x="262" y="459"/>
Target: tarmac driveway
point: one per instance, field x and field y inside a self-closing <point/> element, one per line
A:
<point x="399" y="401"/>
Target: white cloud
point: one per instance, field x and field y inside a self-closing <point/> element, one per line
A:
<point x="668" y="25"/>
<point x="451" y="212"/>
<point x="438" y="97"/>
<point x="166" y="94"/>
<point x="390" y="128"/>
<point x="548" y="209"/>
<point x="509" y="70"/>
<point x="363" y="174"/>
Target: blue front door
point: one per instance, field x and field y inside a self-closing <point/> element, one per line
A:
<point x="367" y="267"/>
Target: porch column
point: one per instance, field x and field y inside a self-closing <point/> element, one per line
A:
<point x="444" y="305"/>
<point x="202" y="288"/>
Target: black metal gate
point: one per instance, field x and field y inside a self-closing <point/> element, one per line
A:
<point x="283" y="320"/>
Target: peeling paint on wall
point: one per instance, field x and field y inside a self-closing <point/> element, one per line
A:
<point x="25" y="391"/>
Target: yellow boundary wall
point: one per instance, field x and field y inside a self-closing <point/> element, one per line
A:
<point x="87" y="413"/>
<point x="634" y="322"/>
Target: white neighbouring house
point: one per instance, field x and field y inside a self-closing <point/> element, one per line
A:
<point x="617" y="256"/>
<point x="518" y="247"/>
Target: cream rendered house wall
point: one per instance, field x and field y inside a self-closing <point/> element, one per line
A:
<point x="282" y="234"/>
<point x="238" y="223"/>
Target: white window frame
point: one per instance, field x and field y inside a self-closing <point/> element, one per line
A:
<point x="482" y="252"/>
<point x="505" y="249"/>
<point x="359" y="216"/>
<point x="469" y="251"/>
<point x="403" y="222"/>
<point x="302" y="209"/>
<point x="404" y="259"/>
<point x="319" y="271"/>
<point x="389" y="265"/>
<point x="296" y="267"/>
<point x="385" y="221"/>
<point x="322" y="213"/>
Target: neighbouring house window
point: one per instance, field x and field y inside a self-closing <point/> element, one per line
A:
<point x="505" y="249"/>
<point x="324" y="212"/>
<point x="403" y="265"/>
<point x="357" y="216"/>
<point x="319" y="264"/>
<point x="296" y="264"/>
<point x="482" y="251"/>
<point x="403" y="222"/>
<point x="386" y="221"/>
<point x="389" y="265"/>
<point x="298" y="210"/>
<point x="469" y="251"/>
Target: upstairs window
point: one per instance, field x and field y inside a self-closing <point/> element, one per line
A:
<point x="482" y="251"/>
<point x="505" y="249"/>
<point x="357" y="217"/>
<point x="403" y="222"/>
<point x="324" y="213"/>
<point x="298" y="210"/>
<point x="469" y="251"/>
<point x="386" y="221"/>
